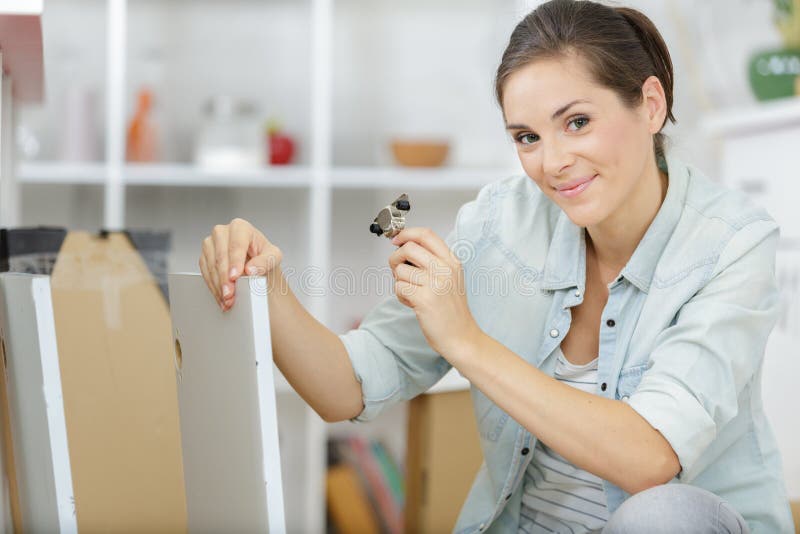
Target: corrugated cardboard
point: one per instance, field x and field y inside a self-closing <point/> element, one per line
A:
<point x="116" y="357"/>
<point x="443" y="457"/>
<point x="11" y="491"/>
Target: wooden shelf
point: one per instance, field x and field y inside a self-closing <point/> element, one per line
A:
<point x="21" y="47"/>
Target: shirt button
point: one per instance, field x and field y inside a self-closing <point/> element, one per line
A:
<point x="525" y="451"/>
<point x="553" y="333"/>
<point x="578" y="293"/>
<point x="603" y="386"/>
<point x="483" y="525"/>
<point x="611" y="323"/>
<point x="625" y="397"/>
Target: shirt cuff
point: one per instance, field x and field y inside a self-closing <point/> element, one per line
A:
<point x="375" y="370"/>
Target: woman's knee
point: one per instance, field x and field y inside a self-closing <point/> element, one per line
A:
<point x="675" y="508"/>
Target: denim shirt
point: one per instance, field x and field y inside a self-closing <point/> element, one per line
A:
<point x="691" y="311"/>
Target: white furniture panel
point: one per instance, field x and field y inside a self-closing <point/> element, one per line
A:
<point x="228" y="412"/>
<point x="38" y="425"/>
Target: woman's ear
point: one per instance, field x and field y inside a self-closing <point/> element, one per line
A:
<point x="655" y="103"/>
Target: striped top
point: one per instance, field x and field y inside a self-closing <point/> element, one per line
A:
<point x="557" y="496"/>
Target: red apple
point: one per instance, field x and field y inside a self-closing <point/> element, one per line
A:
<point x="281" y="146"/>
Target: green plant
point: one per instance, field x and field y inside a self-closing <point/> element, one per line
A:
<point x="787" y="19"/>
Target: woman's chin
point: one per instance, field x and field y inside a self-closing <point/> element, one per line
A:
<point x="584" y="216"/>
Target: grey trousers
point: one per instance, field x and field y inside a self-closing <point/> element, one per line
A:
<point x="671" y="508"/>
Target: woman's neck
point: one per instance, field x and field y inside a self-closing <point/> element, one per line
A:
<point x="612" y="242"/>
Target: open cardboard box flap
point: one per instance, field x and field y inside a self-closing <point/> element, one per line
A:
<point x="118" y="379"/>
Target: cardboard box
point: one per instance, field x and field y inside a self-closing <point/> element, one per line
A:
<point x="115" y="354"/>
<point x="443" y="457"/>
<point x="795" y="505"/>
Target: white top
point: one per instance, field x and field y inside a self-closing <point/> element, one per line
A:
<point x="557" y="496"/>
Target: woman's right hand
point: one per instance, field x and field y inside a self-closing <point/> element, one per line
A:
<point x="232" y="250"/>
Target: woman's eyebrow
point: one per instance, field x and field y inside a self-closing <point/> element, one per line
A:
<point x="560" y="111"/>
<point x="563" y="109"/>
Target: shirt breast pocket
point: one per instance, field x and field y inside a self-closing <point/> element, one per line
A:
<point x="491" y="419"/>
<point x="629" y="379"/>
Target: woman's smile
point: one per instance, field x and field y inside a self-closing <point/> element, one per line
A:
<point x="576" y="190"/>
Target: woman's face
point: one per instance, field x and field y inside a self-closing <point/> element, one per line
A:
<point x="584" y="149"/>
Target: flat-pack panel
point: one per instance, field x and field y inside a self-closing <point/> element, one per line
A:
<point x="227" y="403"/>
<point x="35" y="406"/>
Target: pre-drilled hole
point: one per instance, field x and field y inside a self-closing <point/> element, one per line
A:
<point x="178" y="355"/>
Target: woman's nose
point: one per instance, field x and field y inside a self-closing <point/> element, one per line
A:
<point x="555" y="158"/>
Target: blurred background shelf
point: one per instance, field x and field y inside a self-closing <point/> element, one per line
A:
<point x="31" y="172"/>
<point x="452" y="381"/>
<point x="177" y="175"/>
<point x="749" y="120"/>
<point x="415" y="178"/>
<point x="288" y="176"/>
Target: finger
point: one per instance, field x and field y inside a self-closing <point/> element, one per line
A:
<point x="425" y="237"/>
<point x="264" y="262"/>
<point x="413" y="252"/>
<point x="220" y="236"/>
<point x="207" y="278"/>
<point x="240" y="236"/>
<point x="409" y="273"/>
<point x="405" y="292"/>
<point x="210" y="260"/>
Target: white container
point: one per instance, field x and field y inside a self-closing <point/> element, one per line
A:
<point x="231" y="137"/>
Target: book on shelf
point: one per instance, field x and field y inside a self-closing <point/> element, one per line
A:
<point x="378" y="476"/>
<point x="349" y="510"/>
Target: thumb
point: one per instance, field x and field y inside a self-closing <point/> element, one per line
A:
<point x="263" y="263"/>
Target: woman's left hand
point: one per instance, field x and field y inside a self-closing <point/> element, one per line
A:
<point x="434" y="288"/>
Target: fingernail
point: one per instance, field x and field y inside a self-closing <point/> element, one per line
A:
<point x="226" y="290"/>
<point x="252" y="269"/>
<point x="395" y="240"/>
<point x="233" y="272"/>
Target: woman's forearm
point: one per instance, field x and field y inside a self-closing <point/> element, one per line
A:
<point x="311" y="357"/>
<point x="605" y="437"/>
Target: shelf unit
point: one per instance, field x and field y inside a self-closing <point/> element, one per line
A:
<point x="187" y="175"/>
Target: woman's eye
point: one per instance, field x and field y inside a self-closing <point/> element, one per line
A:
<point x="579" y="122"/>
<point x="526" y="139"/>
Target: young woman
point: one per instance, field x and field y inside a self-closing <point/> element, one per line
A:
<point x="615" y="356"/>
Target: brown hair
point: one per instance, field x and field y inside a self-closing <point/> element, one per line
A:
<point x="620" y="46"/>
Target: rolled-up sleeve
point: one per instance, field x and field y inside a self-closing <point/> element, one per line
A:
<point x="391" y="358"/>
<point x="715" y="347"/>
<point x="388" y="351"/>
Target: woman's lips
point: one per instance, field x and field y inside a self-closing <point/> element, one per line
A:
<point x="577" y="190"/>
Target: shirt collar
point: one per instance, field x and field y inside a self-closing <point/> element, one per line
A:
<point x="565" y="265"/>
